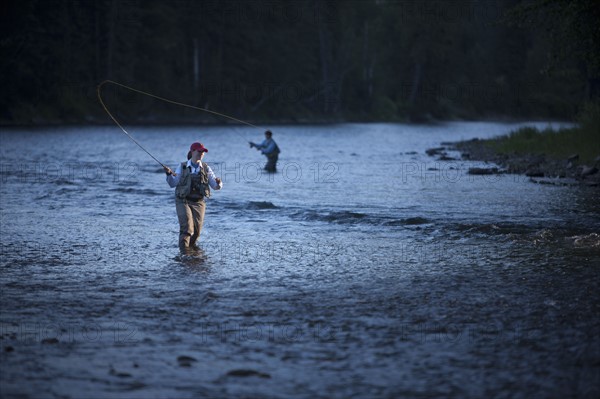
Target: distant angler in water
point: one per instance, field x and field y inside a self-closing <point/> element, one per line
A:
<point x="270" y="149"/>
<point x="192" y="181"/>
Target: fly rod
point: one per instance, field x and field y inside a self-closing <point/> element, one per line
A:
<point x="98" y="91"/>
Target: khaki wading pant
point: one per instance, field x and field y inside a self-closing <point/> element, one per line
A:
<point x="191" y="219"/>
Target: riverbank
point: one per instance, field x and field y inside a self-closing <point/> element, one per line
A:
<point x="563" y="157"/>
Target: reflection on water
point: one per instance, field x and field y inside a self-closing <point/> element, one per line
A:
<point x="364" y="267"/>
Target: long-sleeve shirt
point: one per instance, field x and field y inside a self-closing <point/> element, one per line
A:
<point x="195" y="168"/>
<point x="267" y="146"/>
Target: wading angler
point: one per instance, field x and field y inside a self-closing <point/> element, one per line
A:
<point x="192" y="181"/>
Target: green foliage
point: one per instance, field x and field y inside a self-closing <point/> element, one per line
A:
<point x="300" y="60"/>
<point x="589" y="118"/>
<point x="571" y="24"/>
<point x="583" y="140"/>
<point x="385" y="109"/>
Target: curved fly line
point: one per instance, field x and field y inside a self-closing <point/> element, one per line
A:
<point x="98" y="91"/>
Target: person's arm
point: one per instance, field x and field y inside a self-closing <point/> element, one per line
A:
<point x="269" y="147"/>
<point x="261" y="145"/>
<point x="173" y="179"/>
<point x="214" y="182"/>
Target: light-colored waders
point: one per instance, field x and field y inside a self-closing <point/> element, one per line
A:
<point x="190" y="193"/>
<point x="191" y="219"/>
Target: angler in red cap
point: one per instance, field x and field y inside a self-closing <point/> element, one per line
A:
<point x="192" y="181"/>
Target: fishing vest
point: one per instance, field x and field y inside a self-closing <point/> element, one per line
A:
<point x="193" y="187"/>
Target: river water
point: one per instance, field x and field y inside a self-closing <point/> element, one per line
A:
<point x="363" y="268"/>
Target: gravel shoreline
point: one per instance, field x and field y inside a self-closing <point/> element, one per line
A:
<point x="538" y="167"/>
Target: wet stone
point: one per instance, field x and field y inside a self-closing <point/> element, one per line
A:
<point x="119" y="374"/>
<point x="589" y="170"/>
<point x="434" y="151"/>
<point x="534" y="173"/>
<point x="186" y="361"/>
<point x="483" y="171"/>
<point x="247" y="373"/>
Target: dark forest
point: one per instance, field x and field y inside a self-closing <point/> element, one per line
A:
<point x="299" y="61"/>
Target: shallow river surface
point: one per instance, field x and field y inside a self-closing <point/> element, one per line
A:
<point x="363" y="268"/>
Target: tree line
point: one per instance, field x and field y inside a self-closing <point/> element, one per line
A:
<point x="298" y="61"/>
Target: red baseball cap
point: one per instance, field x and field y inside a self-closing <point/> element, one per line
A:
<point x="198" y="147"/>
